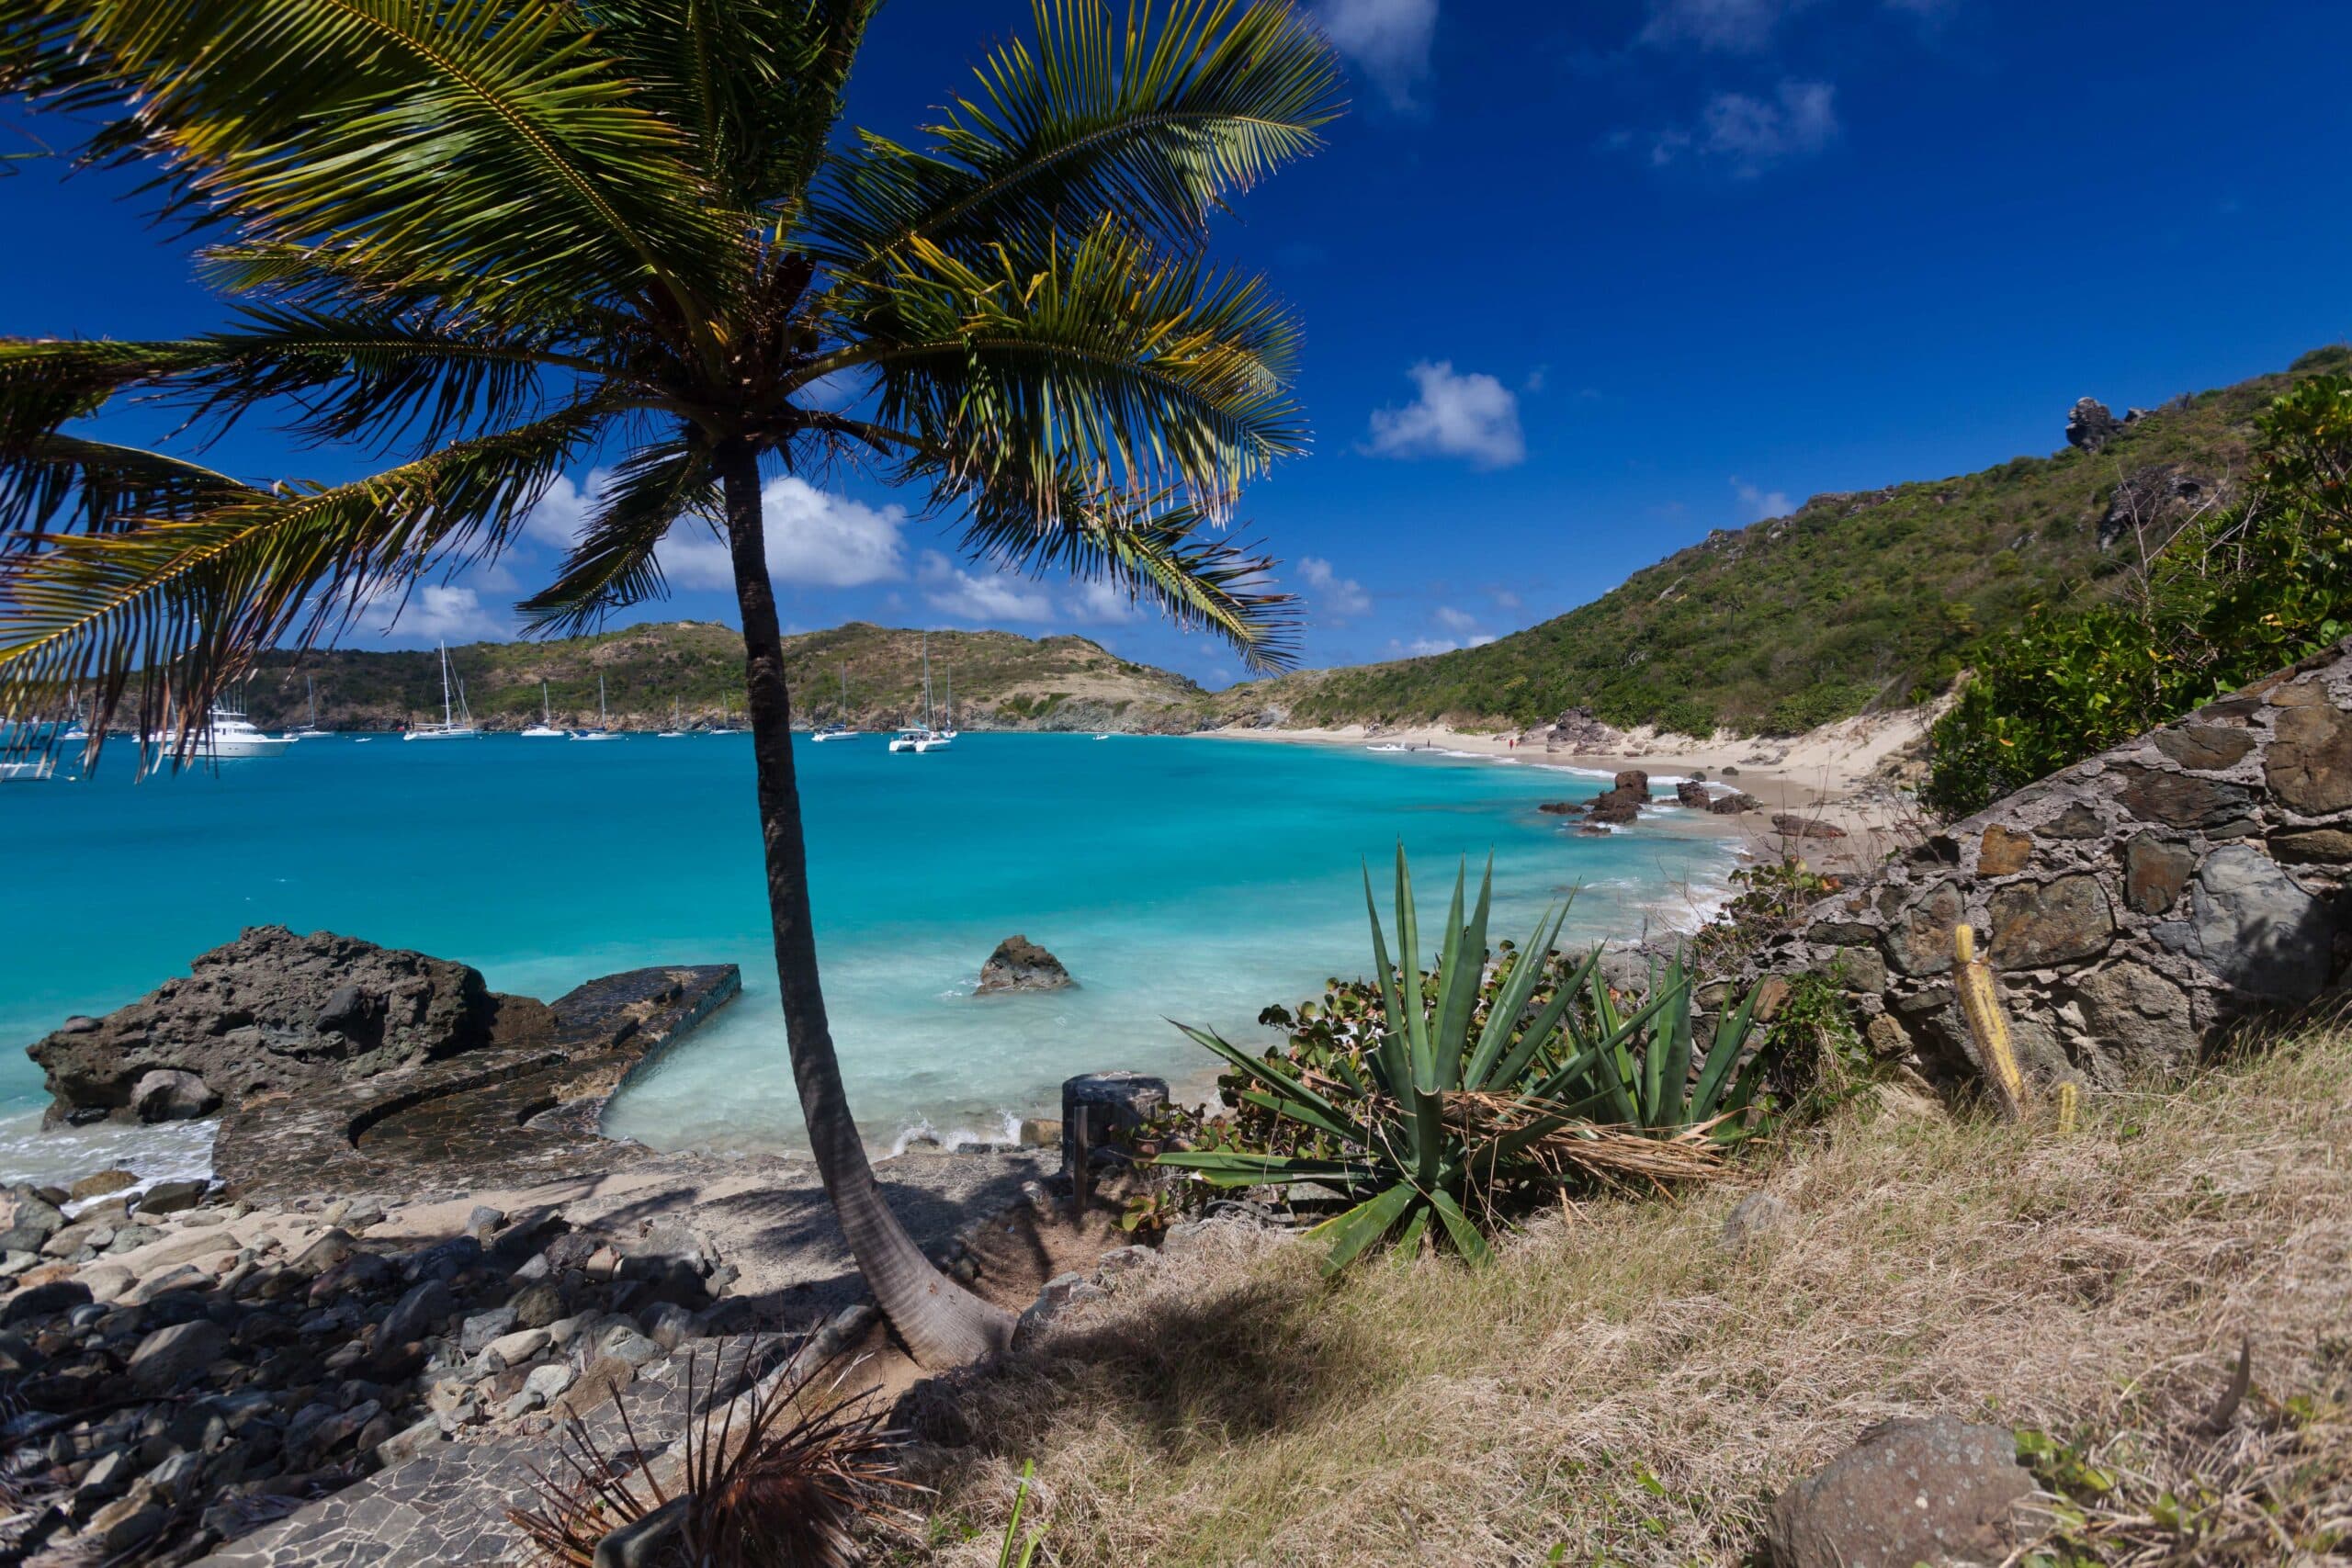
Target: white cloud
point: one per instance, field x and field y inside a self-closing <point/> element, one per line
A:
<point x="1455" y="620"/>
<point x="814" y="537"/>
<point x="1339" y="598"/>
<point x="1760" y="502"/>
<point x="997" y="596"/>
<point x="436" y="613"/>
<point x="1471" y="415"/>
<point x="1102" y="603"/>
<point x="1390" y="39"/>
<point x="1505" y="599"/>
<point x="1731" y="26"/>
<point x="1422" y="646"/>
<point x="1481" y="640"/>
<point x="1751" y="135"/>
<point x="557" y="519"/>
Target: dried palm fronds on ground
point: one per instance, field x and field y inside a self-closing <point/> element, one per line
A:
<point x="1628" y="1388"/>
<point x="782" y="1487"/>
<point x="1607" y="1156"/>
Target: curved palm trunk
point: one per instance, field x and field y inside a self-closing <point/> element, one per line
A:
<point x="942" y="1323"/>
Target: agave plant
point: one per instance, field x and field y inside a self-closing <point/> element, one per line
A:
<point x="1442" y="1121"/>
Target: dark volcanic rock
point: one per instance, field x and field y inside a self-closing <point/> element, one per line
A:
<point x="1019" y="965"/>
<point x="1579" y="730"/>
<point x="270" y="1012"/>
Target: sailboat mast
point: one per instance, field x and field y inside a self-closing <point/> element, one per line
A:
<point x="444" y="686"/>
<point x="309" y="688"/>
<point x="926" y="681"/>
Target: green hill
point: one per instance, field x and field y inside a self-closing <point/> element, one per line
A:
<point x="999" y="680"/>
<point x="1855" y="601"/>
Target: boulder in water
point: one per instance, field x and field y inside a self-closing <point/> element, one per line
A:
<point x="1019" y="965"/>
<point x="271" y="1011"/>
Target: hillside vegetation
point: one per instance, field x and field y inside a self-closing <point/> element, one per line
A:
<point x="997" y="678"/>
<point x="1857" y="600"/>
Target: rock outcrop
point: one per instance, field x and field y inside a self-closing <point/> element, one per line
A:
<point x="1577" y="730"/>
<point x="2137" y="908"/>
<point x="1019" y="965"/>
<point x="270" y="1012"/>
<point x="2090" y="426"/>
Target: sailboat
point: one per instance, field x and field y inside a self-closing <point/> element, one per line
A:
<point x="677" y="730"/>
<point x="309" y="731"/>
<point x="922" y="737"/>
<point x="546" y="728"/>
<point x="948" y="707"/>
<point x="457" y="724"/>
<point x="604" y="720"/>
<point x="725" y="725"/>
<point x="836" y="730"/>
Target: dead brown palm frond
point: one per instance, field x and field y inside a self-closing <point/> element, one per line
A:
<point x="780" y="1478"/>
<point x="1610" y="1155"/>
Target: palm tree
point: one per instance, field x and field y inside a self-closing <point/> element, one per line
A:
<point x="489" y="238"/>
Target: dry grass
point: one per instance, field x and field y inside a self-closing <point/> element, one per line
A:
<point x="1624" y="1387"/>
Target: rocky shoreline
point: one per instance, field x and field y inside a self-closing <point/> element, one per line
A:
<point x="420" y="1258"/>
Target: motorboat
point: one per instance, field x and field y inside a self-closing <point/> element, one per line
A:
<point x="227" y="735"/>
<point x="456" y="722"/>
<point x="546" y="728"/>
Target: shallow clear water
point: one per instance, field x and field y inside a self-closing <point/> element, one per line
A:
<point x="1192" y="879"/>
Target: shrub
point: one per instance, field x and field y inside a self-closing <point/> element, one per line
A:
<point x="1436" y="1105"/>
<point x="2229" y="597"/>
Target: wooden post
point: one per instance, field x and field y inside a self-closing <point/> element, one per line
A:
<point x="1081" y="1170"/>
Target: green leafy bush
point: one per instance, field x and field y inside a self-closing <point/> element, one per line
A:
<point x="1441" y="1104"/>
<point x="2229" y="597"/>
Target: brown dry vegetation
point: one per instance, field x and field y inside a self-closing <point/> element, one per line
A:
<point x="1625" y="1388"/>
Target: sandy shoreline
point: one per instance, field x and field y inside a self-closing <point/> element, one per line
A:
<point x="1825" y="774"/>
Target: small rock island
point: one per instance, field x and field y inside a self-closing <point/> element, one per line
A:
<point x="1019" y="965"/>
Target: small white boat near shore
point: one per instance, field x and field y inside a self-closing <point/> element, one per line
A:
<point x="35" y="770"/>
<point x="456" y="722"/>
<point x="604" y="720"/>
<point x="227" y="736"/>
<point x="546" y="728"/>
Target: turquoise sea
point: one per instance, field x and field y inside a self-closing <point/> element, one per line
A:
<point x="1194" y="879"/>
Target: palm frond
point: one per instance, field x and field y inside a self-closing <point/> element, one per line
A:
<point x="1154" y="118"/>
<point x="612" y="563"/>
<point x="67" y="482"/>
<point x="181" y="608"/>
<point x="1107" y="359"/>
<point x="755" y="84"/>
<point x="475" y="136"/>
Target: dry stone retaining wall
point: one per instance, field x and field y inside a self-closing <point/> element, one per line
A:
<point x="2137" y="906"/>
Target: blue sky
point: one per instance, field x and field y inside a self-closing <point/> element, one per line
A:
<point x="1580" y="282"/>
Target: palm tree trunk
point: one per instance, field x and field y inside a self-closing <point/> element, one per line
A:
<point x="943" y="1324"/>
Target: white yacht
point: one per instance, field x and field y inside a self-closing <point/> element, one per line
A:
<point x="226" y="734"/>
<point x="310" y="730"/>
<point x="545" y="729"/>
<point x="835" y="729"/>
<point x="457" y="724"/>
<point x="604" y="730"/>
<point x="925" y="736"/>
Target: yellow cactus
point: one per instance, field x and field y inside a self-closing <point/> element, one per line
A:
<point x="2070" y="1101"/>
<point x="1973" y="978"/>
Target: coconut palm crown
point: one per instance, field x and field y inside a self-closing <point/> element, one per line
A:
<point x="489" y="242"/>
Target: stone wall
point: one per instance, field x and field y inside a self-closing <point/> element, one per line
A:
<point x="2137" y="908"/>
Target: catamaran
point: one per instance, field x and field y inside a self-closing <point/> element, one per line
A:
<point x="309" y="731"/>
<point x="836" y="730"/>
<point x="546" y="728"/>
<point x="677" y="730"/>
<point x="604" y="730"/>
<point x="457" y="722"/>
<point x="924" y="737"/>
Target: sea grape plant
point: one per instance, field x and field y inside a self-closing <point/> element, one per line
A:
<point x="1429" y="1119"/>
